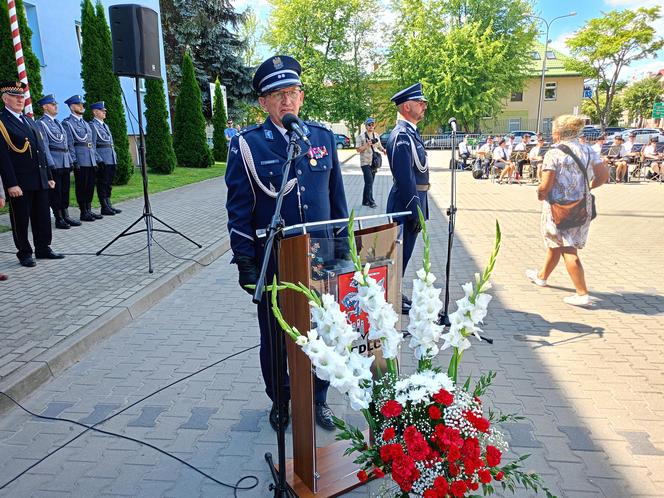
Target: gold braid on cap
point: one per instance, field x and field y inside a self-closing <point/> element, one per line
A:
<point x="5" y="135"/>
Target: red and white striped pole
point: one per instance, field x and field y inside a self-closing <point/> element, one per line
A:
<point x="18" y="51"/>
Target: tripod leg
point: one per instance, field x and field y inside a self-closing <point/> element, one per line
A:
<point x="176" y="232"/>
<point x="122" y="234"/>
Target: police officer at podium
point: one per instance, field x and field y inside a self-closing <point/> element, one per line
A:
<point x="82" y="156"/>
<point x="106" y="158"/>
<point x="314" y="192"/>
<point x="26" y="177"/>
<point x="410" y="170"/>
<point x="59" y="162"/>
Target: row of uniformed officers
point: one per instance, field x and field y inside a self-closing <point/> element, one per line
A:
<point x="36" y="161"/>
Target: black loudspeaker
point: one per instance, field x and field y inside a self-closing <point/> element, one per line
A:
<point x="135" y="34"/>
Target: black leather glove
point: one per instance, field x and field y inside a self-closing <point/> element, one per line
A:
<point x="413" y="226"/>
<point x="248" y="272"/>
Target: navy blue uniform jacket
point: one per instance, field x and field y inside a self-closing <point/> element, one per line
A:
<point x="406" y="172"/>
<point x="253" y="176"/>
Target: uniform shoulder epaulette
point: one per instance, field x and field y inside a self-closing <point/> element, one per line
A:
<point x="247" y="129"/>
<point x="318" y="125"/>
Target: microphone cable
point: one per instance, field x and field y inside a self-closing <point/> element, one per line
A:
<point x="94" y="428"/>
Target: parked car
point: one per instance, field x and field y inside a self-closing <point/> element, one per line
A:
<point x="518" y="136"/>
<point x="643" y="134"/>
<point x="609" y="131"/>
<point x="343" y="141"/>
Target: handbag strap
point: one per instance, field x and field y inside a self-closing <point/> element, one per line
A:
<point x="366" y="135"/>
<point x="584" y="170"/>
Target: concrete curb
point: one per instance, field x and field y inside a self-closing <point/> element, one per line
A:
<point x="22" y="382"/>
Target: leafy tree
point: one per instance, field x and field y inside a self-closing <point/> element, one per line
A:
<point x="639" y="98"/>
<point x="8" y="69"/>
<point x="468" y="54"/>
<point x="99" y="82"/>
<point x="159" y="153"/>
<point x="605" y="45"/>
<point x="588" y="108"/>
<point x="190" y="140"/>
<point x="208" y="30"/>
<point x="250" y="34"/>
<point x="220" y="148"/>
<point x="323" y="36"/>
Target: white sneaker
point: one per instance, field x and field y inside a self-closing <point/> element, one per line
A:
<point x="532" y="276"/>
<point x="576" y="300"/>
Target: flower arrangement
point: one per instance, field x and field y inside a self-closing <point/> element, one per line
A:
<point x="430" y="433"/>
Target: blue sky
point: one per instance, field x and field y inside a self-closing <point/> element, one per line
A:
<point x="560" y="29"/>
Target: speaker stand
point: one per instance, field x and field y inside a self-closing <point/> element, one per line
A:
<point x="147" y="208"/>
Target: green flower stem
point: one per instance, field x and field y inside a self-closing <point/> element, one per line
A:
<point x="424" y="364"/>
<point x="391" y="366"/>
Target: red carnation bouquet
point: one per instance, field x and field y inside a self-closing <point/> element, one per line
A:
<point x="431" y="435"/>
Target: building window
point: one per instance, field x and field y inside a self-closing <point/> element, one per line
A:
<point x="79" y="38"/>
<point x="535" y="56"/>
<point x="514" y="124"/>
<point x="550" y="90"/>
<point x="550" y="55"/>
<point x="516" y="97"/>
<point x="33" y="24"/>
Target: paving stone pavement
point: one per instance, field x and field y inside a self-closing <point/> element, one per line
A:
<point x="589" y="381"/>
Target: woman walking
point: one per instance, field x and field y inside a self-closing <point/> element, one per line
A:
<point x="563" y="182"/>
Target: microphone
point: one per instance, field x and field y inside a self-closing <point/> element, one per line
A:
<point x="452" y="122"/>
<point x="293" y="124"/>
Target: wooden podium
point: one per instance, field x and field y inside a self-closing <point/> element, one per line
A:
<point x="325" y="471"/>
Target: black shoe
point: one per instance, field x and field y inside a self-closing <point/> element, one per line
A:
<point x="274" y="417"/>
<point x="62" y="224"/>
<point x="49" y="254"/>
<point x="106" y="209"/>
<point x="28" y="262"/>
<point x="373" y="205"/>
<point x="86" y="216"/>
<point x="108" y="201"/>
<point x="92" y="213"/>
<point x="325" y="417"/>
<point x="405" y="304"/>
<point x="366" y="204"/>
<point x="70" y="221"/>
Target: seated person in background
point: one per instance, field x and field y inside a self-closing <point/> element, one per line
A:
<point x="484" y="155"/>
<point x="652" y="160"/>
<point x="464" y="150"/>
<point x="536" y="156"/>
<point x="618" y="155"/>
<point x="501" y="160"/>
<point x="522" y="146"/>
<point x="510" y="144"/>
<point x="597" y="146"/>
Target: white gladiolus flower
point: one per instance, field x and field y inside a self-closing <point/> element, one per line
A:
<point x="302" y="340"/>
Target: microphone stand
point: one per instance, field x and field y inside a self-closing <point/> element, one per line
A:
<point x="280" y="487"/>
<point x="443" y="316"/>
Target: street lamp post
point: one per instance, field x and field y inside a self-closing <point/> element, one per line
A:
<point x="546" y="48"/>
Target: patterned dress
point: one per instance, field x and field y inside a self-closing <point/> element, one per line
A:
<point x="569" y="186"/>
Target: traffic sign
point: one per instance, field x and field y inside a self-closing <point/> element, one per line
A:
<point x="658" y="110"/>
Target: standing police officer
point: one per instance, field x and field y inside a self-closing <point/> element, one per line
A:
<point x="410" y="171"/>
<point x="82" y="156"/>
<point x="26" y="176"/>
<point x="105" y="156"/>
<point x="314" y="192"/>
<point x="57" y="155"/>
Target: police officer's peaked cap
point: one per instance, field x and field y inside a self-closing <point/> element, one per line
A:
<point x="74" y="99"/>
<point x="280" y="71"/>
<point x="12" y="87"/>
<point x="413" y="92"/>
<point x="47" y="99"/>
<point x="99" y="106"/>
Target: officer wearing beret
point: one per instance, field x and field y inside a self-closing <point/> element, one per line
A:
<point x="410" y="170"/>
<point x="82" y="156"/>
<point x="314" y="192"/>
<point x="57" y="155"/>
<point x="105" y="156"/>
<point x="26" y="176"/>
